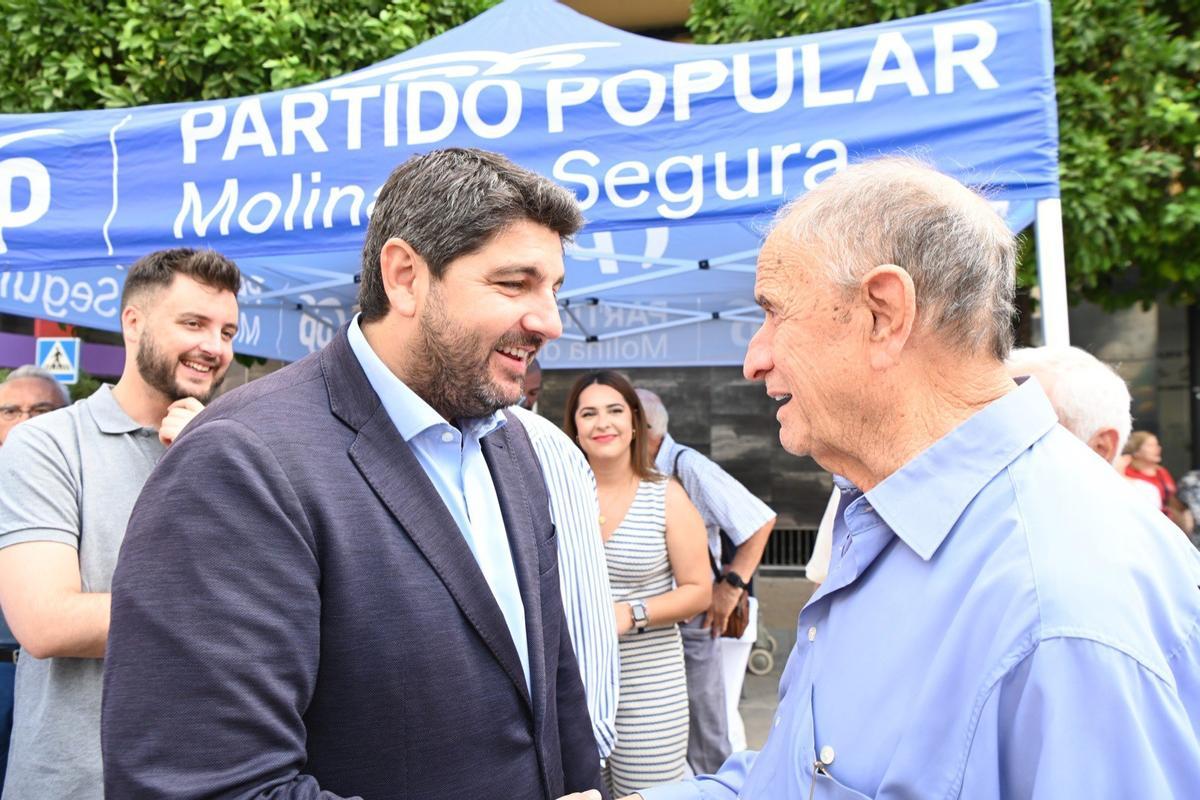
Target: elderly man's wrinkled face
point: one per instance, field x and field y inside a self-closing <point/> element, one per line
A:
<point x="24" y="398"/>
<point x="805" y="351"/>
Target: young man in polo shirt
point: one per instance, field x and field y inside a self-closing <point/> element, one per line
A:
<point x="70" y="480"/>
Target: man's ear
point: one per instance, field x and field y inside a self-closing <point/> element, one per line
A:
<point x="889" y="295"/>
<point x="404" y="273"/>
<point x="133" y="322"/>
<point x="1104" y="442"/>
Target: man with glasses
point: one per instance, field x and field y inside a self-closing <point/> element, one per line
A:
<point x="27" y="392"/>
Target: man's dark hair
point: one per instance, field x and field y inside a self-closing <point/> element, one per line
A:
<point x="450" y="203"/>
<point x="158" y="269"/>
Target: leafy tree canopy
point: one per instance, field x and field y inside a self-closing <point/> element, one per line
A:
<point x="63" y="55"/>
<point x="1129" y="120"/>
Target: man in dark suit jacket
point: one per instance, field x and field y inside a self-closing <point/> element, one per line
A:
<point x="342" y="580"/>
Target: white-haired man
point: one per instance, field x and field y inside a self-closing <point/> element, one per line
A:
<point x="976" y="637"/>
<point x="729" y="507"/>
<point x="1089" y="397"/>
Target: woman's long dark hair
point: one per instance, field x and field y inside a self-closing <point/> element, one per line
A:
<point x="639" y="451"/>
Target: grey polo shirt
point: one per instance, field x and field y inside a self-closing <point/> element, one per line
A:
<point x="70" y="476"/>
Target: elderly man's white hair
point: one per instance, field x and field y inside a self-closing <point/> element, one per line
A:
<point x="655" y="411"/>
<point x="959" y="252"/>
<point x="34" y="371"/>
<point x="1087" y="394"/>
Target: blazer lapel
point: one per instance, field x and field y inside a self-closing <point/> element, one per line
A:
<point x="509" y="478"/>
<point x="398" y="479"/>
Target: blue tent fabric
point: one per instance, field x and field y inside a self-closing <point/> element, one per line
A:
<point x="679" y="153"/>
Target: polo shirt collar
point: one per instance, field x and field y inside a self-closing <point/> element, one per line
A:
<point x="108" y="414"/>
<point x="958" y="466"/>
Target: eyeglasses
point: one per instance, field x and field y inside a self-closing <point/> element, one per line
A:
<point x="12" y="413"/>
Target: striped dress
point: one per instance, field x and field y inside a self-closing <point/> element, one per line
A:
<point x="652" y="712"/>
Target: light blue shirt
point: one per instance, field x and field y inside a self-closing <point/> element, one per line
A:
<point x="724" y="503"/>
<point x="453" y="460"/>
<point x="582" y="569"/>
<point x="1001" y="620"/>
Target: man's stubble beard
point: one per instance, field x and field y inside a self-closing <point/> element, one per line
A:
<point x="158" y="371"/>
<point x="451" y="370"/>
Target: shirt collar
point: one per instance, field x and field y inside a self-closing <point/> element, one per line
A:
<point x="410" y="413"/>
<point x="108" y="414"/>
<point x="958" y="466"/>
<point x="662" y="461"/>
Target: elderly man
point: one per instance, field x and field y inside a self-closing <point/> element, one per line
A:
<point x="27" y="392"/>
<point x="729" y="507"/>
<point x="343" y="581"/>
<point x="998" y="622"/>
<point x="1089" y="398"/>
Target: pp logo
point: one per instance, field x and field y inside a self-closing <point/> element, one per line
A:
<point x="25" y="169"/>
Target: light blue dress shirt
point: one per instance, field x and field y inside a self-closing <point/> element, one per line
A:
<point x="724" y="503"/>
<point x="1000" y="620"/>
<point x="453" y="460"/>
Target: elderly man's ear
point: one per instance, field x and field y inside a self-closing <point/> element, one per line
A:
<point x="889" y="295"/>
<point x="1104" y="442"/>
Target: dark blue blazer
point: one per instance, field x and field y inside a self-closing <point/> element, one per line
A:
<point x="295" y="614"/>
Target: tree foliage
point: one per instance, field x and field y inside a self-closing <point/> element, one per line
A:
<point x="62" y="55"/>
<point x="1129" y="126"/>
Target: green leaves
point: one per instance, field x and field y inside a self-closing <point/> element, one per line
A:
<point x="1129" y="119"/>
<point x="62" y="56"/>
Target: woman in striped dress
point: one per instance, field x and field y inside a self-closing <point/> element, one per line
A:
<point x="655" y="544"/>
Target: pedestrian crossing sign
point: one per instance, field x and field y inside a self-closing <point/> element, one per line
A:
<point x="60" y="357"/>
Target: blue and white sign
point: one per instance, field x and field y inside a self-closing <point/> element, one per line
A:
<point x="60" y="357"/>
<point x="657" y="139"/>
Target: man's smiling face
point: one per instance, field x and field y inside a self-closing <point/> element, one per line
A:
<point x="485" y="319"/>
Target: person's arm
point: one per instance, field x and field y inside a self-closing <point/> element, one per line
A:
<point x="687" y="551"/>
<point x="214" y="645"/>
<point x="49" y="613"/>
<point x="41" y="590"/>
<point x="1077" y="718"/>
<point x="745" y="561"/>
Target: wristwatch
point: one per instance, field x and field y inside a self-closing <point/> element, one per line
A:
<point x="638" y="607"/>
<point x="734" y="580"/>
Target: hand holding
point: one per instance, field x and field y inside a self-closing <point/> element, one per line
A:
<point x="724" y="599"/>
<point x="179" y="414"/>
<point x="590" y="794"/>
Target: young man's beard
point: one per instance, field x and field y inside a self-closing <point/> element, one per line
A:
<point x="158" y="371"/>
<point x="452" y="370"/>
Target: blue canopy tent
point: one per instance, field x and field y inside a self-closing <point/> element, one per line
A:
<point x="680" y="155"/>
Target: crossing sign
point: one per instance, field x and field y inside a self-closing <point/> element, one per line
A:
<point x="60" y="357"/>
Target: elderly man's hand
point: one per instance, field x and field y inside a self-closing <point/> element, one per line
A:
<point x="179" y="414"/>
<point x="724" y="599"/>
<point x="592" y="794"/>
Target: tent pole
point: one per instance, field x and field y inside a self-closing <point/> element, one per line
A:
<point x="1052" y="272"/>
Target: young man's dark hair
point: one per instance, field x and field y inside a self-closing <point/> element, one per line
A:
<point x="451" y="202"/>
<point x="158" y="269"/>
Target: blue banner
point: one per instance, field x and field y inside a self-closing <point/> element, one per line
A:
<point x="650" y="135"/>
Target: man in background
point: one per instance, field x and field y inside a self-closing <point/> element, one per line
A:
<point x="533" y="386"/>
<point x="70" y="480"/>
<point x="727" y="507"/>
<point x="26" y="392"/>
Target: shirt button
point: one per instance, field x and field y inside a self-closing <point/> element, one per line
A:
<point x="812" y="633"/>
<point x="827" y="755"/>
<point x="447" y="437"/>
